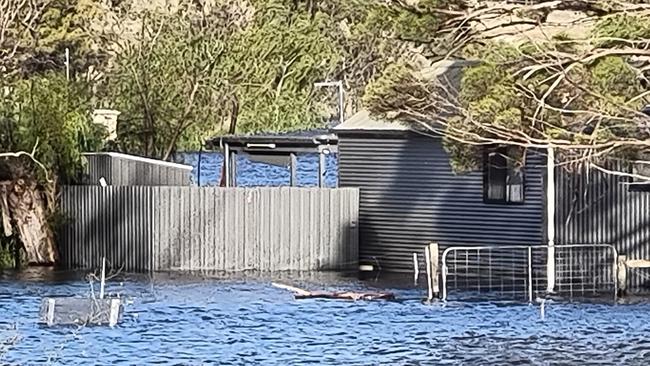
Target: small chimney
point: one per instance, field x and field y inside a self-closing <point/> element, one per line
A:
<point x="108" y="118"/>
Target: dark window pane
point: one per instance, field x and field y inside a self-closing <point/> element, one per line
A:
<point x="640" y="169"/>
<point x="504" y="180"/>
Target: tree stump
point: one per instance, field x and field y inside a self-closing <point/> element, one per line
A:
<point x="24" y="208"/>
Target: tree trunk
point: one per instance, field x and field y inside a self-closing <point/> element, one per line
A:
<point x="27" y="212"/>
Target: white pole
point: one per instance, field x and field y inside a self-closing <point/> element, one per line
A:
<point x="341" y="103"/>
<point x="530" y="274"/>
<point x="67" y="64"/>
<point x="550" y="217"/>
<point x="427" y="257"/>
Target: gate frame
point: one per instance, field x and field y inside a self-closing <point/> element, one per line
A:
<point x="444" y="269"/>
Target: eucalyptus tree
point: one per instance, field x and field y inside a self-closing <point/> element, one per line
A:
<point x="45" y="119"/>
<point x="566" y="74"/>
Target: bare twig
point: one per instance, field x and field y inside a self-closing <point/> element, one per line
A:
<point x="31" y="155"/>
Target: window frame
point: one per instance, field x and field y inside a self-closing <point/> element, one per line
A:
<point x="633" y="184"/>
<point x="503" y="151"/>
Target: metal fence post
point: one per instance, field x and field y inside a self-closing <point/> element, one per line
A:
<point x="550" y="218"/>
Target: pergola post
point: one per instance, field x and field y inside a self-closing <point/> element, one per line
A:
<point x="233" y="168"/>
<point x="226" y="164"/>
<point x="293" y="169"/>
<point x="321" y="169"/>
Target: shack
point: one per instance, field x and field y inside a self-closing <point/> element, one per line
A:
<point x="410" y="196"/>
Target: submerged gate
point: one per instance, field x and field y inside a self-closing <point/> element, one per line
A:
<point x="520" y="272"/>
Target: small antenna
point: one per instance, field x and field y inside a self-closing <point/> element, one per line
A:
<point x="67" y="63"/>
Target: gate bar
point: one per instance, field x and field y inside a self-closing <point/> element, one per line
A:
<point x="529" y="247"/>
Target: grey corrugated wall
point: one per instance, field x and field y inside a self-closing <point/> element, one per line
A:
<point x="210" y="228"/>
<point x="98" y="166"/>
<point x="120" y="171"/>
<point x="409" y="197"/>
<point x="593" y="207"/>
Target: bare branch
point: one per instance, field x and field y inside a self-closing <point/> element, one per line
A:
<point x="31" y="155"/>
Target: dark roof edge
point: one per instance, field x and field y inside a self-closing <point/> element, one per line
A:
<point x="278" y="140"/>
<point x="385" y="133"/>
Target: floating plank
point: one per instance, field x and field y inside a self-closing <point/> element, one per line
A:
<point x="80" y="311"/>
<point x="638" y="263"/>
<point x="299" y="293"/>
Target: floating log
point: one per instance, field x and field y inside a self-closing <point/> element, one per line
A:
<point x="299" y="293"/>
<point x="80" y="311"/>
<point x="637" y="263"/>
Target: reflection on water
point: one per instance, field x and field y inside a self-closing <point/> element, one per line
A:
<point x="189" y="320"/>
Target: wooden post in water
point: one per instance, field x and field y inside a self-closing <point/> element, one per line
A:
<point x="416" y="268"/>
<point x="433" y="253"/>
<point x="621" y="275"/>
<point x="431" y="257"/>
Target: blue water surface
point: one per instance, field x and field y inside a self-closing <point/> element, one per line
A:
<point x="246" y="321"/>
<point x="251" y="173"/>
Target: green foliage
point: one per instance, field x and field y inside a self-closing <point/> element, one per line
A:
<point x="166" y="82"/>
<point x="620" y="29"/>
<point x="53" y="114"/>
<point x="6" y="253"/>
<point x="499" y="102"/>
<point x="396" y="81"/>
<point x="273" y="64"/>
<point x="260" y="73"/>
<point x="72" y="24"/>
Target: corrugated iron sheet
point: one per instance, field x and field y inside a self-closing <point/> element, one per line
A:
<point x="210" y="228"/>
<point x="121" y="171"/>
<point x="409" y="196"/>
<point x="597" y="208"/>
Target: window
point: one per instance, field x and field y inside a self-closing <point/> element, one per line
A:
<point x="639" y="169"/>
<point x="503" y="178"/>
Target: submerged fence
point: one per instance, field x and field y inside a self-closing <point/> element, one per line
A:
<point x="210" y="228"/>
<point x="522" y="271"/>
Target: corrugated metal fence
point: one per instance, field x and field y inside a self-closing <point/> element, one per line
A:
<point x="129" y="170"/>
<point x="209" y="228"/>
<point x="593" y="207"/>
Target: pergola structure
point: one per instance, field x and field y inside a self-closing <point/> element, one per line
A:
<point x="281" y="150"/>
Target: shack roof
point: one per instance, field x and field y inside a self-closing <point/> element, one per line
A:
<point x="363" y="121"/>
<point x="448" y="74"/>
<point x="308" y="140"/>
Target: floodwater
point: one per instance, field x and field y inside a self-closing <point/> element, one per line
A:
<point x="246" y="321"/>
<point x="252" y="173"/>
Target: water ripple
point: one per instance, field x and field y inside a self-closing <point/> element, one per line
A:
<point x="242" y="322"/>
